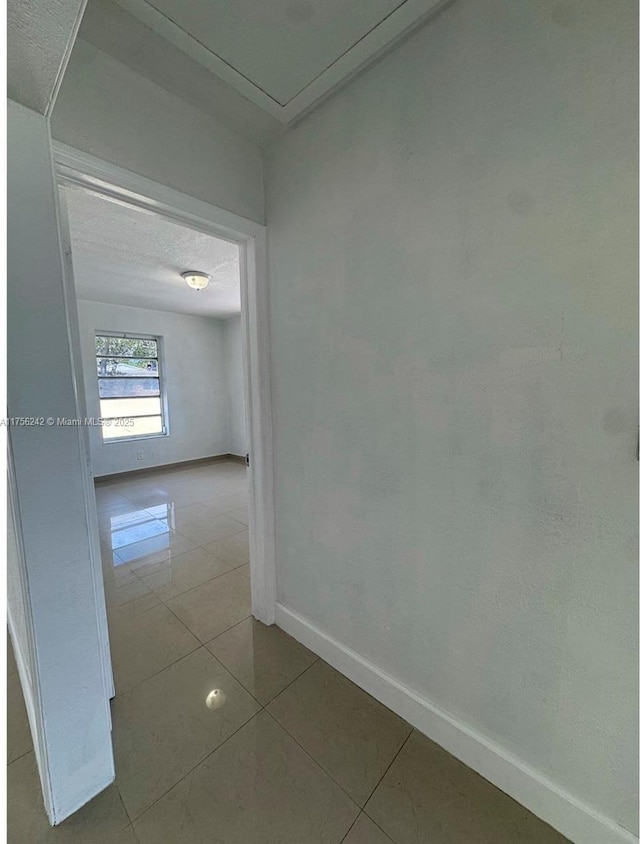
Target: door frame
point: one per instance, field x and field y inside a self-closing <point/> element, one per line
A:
<point x="79" y="169"/>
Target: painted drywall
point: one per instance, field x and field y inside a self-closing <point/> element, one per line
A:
<point x="453" y="321"/>
<point x="110" y="111"/>
<point x="107" y="26"/>
<point x="60" y="599"/>
<point x="195" y="382"/>
<point x="238" y="440"/>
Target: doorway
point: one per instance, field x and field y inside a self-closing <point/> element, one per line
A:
<point x="133" y="193"/>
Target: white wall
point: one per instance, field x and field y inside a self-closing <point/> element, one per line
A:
<point x="61" y="667"/>
<point x="195" y="380"/>
<point x="238" y="440"/>
<point x="114" y="113"/>
<point x="453" y="319"/>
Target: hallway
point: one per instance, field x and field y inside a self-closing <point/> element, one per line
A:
<point x="229" y="732"/>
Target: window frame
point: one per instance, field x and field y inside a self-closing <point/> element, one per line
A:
<point x="164" y="405"/>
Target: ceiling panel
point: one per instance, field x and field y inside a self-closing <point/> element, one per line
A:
<point x="280" y="45"/>
<point x="124" y="256"/>
<point x="283" y="55"/>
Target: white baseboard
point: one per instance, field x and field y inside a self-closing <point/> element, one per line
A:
<point x="566" y="813"/>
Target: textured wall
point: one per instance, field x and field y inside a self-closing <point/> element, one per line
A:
<point x="114" y="113"/>
<point x="453" y="320"/>
<point x="194" y="377"/>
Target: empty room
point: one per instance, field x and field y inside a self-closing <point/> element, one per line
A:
<point x="322" y="422"/>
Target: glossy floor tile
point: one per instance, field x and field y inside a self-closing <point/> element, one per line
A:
<point x="144" y="644"/>
<point x="259" y="787"/>
<point x="18" y="730"/>
<point x="11" y="660"/>
<point x="215" y="606"/>
<point x="102" y="821"/>
<point x="350" y="734"/>
<point x="429" y="796"/>
<point x="187" y="514"/>
<point x="241" y="514"/>
<point x="229" y="732"/>
<point x="364" y="831"/>
<point x="179" y="574"/>
<point x="129" y="594"/>
<point x="211" y="529"/>
<point x="228" y="501"/>
<point x="264" y="659"/>
<point x="165" y="726"/>
<point x="233" y="549"/>
<point x="154" y="549"/>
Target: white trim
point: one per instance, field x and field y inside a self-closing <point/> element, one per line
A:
<point x="73" y="333"/>
<point x="255" y="349"/>
<point x="407" y="16"/>
<point x="66" y="56"/>
<point x="378" y="42"/>
<point x="566" y="813"/>
<point x="74" y="167"/>
<point x="118" y="185"/>
<point x="29" y="680"/>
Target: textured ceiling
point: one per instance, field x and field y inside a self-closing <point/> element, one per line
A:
<point x="40" y="35"/>
<point x="127" y="257"/>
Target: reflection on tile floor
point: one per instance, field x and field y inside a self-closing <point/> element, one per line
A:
<point x="229" y="732"/>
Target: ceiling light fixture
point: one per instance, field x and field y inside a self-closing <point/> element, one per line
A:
<point x="196" y="279"/>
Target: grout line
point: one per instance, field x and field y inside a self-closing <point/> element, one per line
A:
<point x="386" y="771"/>
<point x="377" y="825"/>
<point x="313" y="758"/>
<point x="197" y="765"/>
<point x="182" y="536"/>
<point x="186" y="592"/>
<point x="191" y="588"/>
<point x="342" y="840"/>
<point x="124" y="805"/>
<point x="295" y="679"/>
<point x="22" y="755"/>
<point x="217" y="636"/>
<point x="263" y="705"/>
<point x="320" y="765"/>
<point x="120" y="695"/>
<point x="200" y="644"/>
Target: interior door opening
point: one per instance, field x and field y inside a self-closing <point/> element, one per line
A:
<point x="177" y="431"/>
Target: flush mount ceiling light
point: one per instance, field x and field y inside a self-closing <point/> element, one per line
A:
<point x="196" y="279"/>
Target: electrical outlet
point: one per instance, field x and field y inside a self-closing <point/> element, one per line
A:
<point x="140" y="455"/>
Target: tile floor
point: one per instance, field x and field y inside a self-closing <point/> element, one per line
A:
<point x="229" y="732"/>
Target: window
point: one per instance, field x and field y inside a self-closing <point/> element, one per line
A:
<point x="129" y="387"/>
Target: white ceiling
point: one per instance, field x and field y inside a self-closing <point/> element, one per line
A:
<point x="125" y="256"/>
<point x="282" y="55"/>
<point x="40" y="35"/>
<point x="282" y="45"/>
